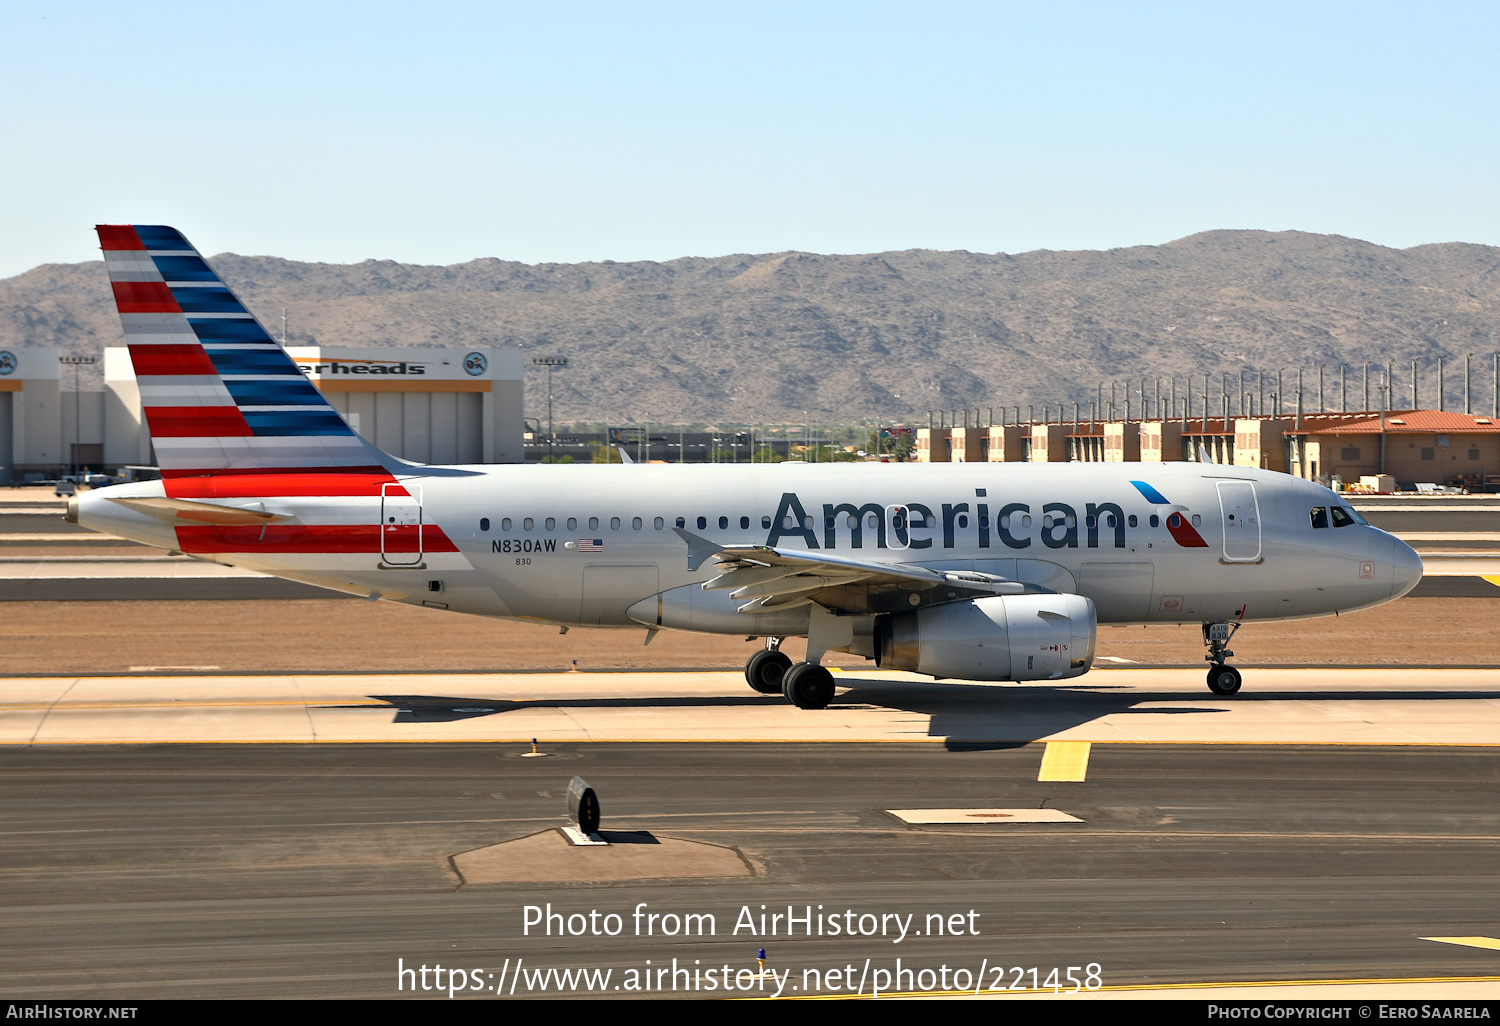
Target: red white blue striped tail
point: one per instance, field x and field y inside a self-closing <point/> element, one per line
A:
<point x="219" y="394"/>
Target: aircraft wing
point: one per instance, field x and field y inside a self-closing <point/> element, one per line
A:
<point x="768" y="578"/>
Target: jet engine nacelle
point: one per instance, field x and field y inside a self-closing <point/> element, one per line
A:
<point x="1006" y="637"/>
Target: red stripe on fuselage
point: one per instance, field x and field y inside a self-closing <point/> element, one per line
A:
<point x="118" y="236"/>
<point x="196" y="422"/>
<point x="171" y="359"/>
<point x="359" y="538"/>
<point x="1183" y="532"/>
<point x="272" y="483"/>
<point x="144" y="297"/>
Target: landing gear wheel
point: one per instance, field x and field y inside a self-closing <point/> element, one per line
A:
<point x="808" y="686"/>
<point x="765" y="671"/>
<point x="1223" y="680"/>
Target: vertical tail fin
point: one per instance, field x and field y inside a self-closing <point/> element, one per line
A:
<point x="219" y="394"/>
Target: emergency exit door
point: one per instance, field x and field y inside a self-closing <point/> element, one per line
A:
<point x="400" y="524"/>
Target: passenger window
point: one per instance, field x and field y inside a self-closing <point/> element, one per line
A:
<point x="528" y="523"/>
<point x="984" y="523"/>
<point x="505" y="524"/>
<point x="702" y="523"/>
<point x="963" y="520"/>
<point x="593" y="523"/>
<point x="660" y="523"/>
<point x="484" y="523"/>
<point x="681" y="522"/>
<point x="1131" y="521"/>
<point x="1319" y="515"/>
<point x="744" y="523"/>
<point x="572" y="523"/>
<point x="1005" y="522"/>
<point x="636" y="523"/>
<point x="849" y="521"/>
<point x="614" y="523"/>
<point x="551" y="523"/>
<point x="1341" y="517"/>
<point x="1197" y="520"/>
<point x="872" y="521"/>
<point x="1155" y="520"/>
<point x="765" y="522"/>
<point x="1025" y="519"/>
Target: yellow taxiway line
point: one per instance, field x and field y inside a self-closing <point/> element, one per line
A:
<point x="1065" y="760"/>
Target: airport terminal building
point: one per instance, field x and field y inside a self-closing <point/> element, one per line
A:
<point x="437" y="406"/>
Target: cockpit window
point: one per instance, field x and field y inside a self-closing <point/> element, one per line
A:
<point x="1355" y="514"/>
<point x="1319" y="515"/>
<point x="1341" y="517"/>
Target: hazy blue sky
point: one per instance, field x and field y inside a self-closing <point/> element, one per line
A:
<point x="442" y="132"/>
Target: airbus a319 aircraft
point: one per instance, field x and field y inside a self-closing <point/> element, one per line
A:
<point x="986" y="572"/>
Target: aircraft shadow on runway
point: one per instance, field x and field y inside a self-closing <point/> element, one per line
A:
<point x="968" y="716"/>
<point x="438" y="709"/>
<point x="976" y="716"/>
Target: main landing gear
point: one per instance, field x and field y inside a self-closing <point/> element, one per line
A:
<point x="1222" y="678"/>
<point x="805" y="685"/>
<point x="808" y="686"/>
<point x="767" y="667"/>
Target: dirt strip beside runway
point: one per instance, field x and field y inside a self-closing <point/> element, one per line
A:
<point x="339" y="635"/>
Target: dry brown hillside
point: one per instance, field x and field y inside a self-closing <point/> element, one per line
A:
<point x="759" y="339"/>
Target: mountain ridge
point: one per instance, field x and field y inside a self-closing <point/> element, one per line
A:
<point x="761" y="338"/>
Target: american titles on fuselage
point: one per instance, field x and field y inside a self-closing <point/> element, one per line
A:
<point x="993" y="524"/>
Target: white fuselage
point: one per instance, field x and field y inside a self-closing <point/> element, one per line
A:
<point x="582" y="545"/>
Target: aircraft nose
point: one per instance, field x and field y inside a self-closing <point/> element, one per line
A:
<point x="1407" y="567"/>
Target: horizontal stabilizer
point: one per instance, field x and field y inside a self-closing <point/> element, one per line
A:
<point x="176" y="511"/>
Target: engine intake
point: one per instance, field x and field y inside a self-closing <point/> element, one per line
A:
<point x="1005" y="637"/>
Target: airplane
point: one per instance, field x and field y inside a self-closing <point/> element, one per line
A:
<point x="971" y="571"/>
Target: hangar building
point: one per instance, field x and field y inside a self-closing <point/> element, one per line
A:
<point x="424" y="405"/>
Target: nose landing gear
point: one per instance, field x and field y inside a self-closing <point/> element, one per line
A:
<point x="1222" y="679"/>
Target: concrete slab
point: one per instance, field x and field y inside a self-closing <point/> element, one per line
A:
<point x="547" y="857"/>
<point x="1278" y="706"/>
<point x="993" y="817"/>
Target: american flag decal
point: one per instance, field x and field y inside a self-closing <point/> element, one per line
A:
<point x="590" y="544"/>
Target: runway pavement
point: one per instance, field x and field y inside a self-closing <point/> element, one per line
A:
<point x="1320" y="827"/>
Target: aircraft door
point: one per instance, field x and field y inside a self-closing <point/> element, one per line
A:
<point x="400" y="524"/>
<point x="1241" y="517"/>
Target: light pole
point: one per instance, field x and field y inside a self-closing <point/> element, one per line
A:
<point x="75" y="362"/>
<point x="552" y="363"/>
